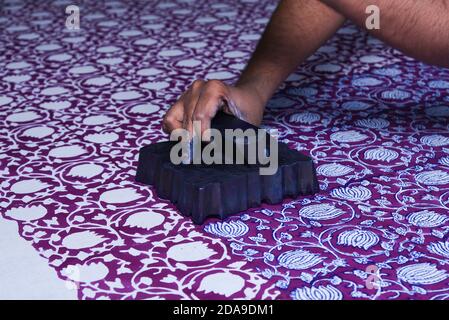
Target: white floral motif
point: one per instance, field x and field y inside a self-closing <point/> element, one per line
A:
<point x="192" y="251"/>
<point x="299" y="259"/>
<point x="320" y="212"/>
<point x="73" y="124"/>
<point x="358" y="238"/>
<point x="317" y="293"/>
<point x="421" y="273"/>
<point x="225" y="284"/>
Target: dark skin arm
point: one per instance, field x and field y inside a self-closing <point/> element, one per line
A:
<point x="297" y="29"/>
<point x="419" y="28"/>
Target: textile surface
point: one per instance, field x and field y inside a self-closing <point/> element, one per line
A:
<point x="76" y="106"/>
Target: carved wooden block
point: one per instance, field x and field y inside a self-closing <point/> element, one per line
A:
<point x="201" y="191"/>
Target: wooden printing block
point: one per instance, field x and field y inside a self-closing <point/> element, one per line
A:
<point x="219" y="190"/>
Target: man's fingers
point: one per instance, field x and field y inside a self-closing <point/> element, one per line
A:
<point x="200" y="103"/>
<point x="174" y="116"/>
<point x="207" y="106"/>
<point x="191" y="99"/>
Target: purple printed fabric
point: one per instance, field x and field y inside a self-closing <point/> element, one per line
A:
<point x="76" y="106"/>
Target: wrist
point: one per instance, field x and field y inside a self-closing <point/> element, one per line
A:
<point x="260" y="94"/>
<point x="249" y="102"/>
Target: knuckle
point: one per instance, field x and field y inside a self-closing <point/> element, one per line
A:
<point x="200" y="116"/>
<point x="216" y="88"/>
<point x="197" y="84"/>
<point x="215" y="85"/>
<point x="168" y="119"/>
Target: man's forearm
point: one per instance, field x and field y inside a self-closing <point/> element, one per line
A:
<point x="419" y="28"/>
<point x="296" y="30"/>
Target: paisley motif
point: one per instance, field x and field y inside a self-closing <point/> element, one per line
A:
<point x="381" y="154"/>
<point x="328" y="292"/>
<point x="433" y="178"/>
<point x="299" y="259"/>
<point x="427" y="219"/>
<point x="358" y="238"/>
<point x="334" y="170"/>
<point x="357" y="193"/>
<point x="231" y="229"/>
<point x="422" y="273"/>
<point x="320" y="212"/>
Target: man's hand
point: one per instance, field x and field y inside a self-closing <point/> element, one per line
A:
<point x="204" y="99"/>
<point x="296" y="30"/>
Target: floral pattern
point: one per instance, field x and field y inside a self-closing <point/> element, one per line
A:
<point x="76" y="106"/>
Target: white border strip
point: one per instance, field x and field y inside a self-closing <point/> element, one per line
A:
<point x="23" y="273"/>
